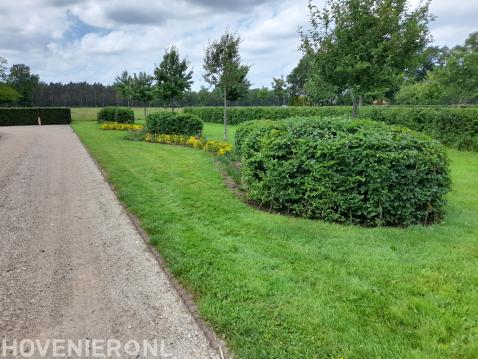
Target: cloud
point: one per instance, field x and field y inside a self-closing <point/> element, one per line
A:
<point x="90" y="40"/>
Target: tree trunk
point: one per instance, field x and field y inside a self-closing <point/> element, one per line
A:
<point x="145" y="112"/>
<point x="355" y="103"/>
<point x="360" y="101"/>
<point x="225" y="115"/>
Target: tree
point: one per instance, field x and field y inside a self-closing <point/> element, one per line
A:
<point x="298" y="77"/>
<point x="279" y="88"/>
<point x="453" y="81"/>
<point x="3" y="70"/>
<point x="142" y="89"/>
<point x="365" y="46"/>
<point x="224" y="70"/>
<point x="124" y="84"/>
<point x="8" y="94"/>
<point x="172" y="76"/>
<point x="23" y="82"/>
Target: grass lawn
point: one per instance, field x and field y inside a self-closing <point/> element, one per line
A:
<point x="213" y="131"/>
<point x="280" y="287"/>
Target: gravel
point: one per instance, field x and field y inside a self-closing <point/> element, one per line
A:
<point x="72" y="264"/>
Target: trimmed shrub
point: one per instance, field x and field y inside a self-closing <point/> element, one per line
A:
<point x="173" y="123"/>
<point x="115" y="114"/>
<point x="343" y="170"/>
<point x="29" y="116"/>
<point x="455" y="127"/>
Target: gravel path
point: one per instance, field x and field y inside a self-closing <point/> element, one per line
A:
<point x="72" y="264"/>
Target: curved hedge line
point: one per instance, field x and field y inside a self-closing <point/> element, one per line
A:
<point x="343" y="170"/>
<point x="173" y="123"/>
<point x="115" y="114"/>
<point x="455" y="127"/>
<point x="29" y="116"/>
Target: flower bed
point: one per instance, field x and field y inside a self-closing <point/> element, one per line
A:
<point x="217" y="148"/>
<point x="121" y="126"/>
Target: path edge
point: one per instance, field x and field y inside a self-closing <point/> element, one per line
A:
<point x="186" y="297"/>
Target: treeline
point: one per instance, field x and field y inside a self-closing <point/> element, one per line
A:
<point x="83" y="94"/>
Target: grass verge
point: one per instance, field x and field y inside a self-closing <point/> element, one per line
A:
<point x="281" y="287"/>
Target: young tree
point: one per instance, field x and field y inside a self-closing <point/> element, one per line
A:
<point x="172" y="76"/>
<point x="124" y="84"/>
<point x="224" y="70"/>
<point x="365" y="46"/>
<point x="3" y="70"/>
<point x="142" y="89"/>
<point x="279" y="88"/>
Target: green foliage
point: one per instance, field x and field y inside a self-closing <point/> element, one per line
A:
<point x="279" y="90"/>
<point x="365" y="46"/>
<point x="172" y="76"/>
<point x="268" y="282"/>
<point x="23" y="82"/>
<point x="224" y="70"/>
<point x="171" y="123"/>
<point x="8" y="94"/>
<point x="124" y="84"/>
<point x="239" y="115"/>
<point x="115" y="114"/>
<point x="3" y="69"/>
<point x="342" y="170"/>
<point x="29" y="116"/>
<point x="298" y="76"/>
<point x="142" y="88"/>
<point x="453" y="81"/>
<point x="455" y="127"/>
<point x="258" y="127"/>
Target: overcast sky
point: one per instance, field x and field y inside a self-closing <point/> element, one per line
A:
<point x="94" y="40"/>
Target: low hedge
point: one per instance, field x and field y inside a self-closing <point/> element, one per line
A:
<point x="115" y="114"/>
<point x="455" y="127"/>
<point x="237" y="115"/>
<point x="342" y="170"/>
<point x="29" y="116"/>
<point x="173" y="123"/>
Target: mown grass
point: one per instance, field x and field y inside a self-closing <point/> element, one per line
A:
<point x="213" y="131"/>
<point x="281" y="287"/>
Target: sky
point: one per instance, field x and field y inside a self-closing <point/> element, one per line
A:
<point x="95" y="40"/>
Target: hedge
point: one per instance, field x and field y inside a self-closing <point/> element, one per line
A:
<point x="342" y="170"/>
<point x="173" y="123"/>
<point x="454" y="127"/>
<point x="29" y="116"/>
<point x="237" y="115"/>
<point x="115" y="114"/>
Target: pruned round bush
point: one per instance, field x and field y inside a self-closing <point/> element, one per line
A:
<point x="115" y="114"/>
<point x="173" y="123"/>
<point x="343" y="170"/>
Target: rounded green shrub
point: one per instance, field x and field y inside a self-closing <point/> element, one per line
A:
<point x="173" y="123"/>
<point x="115" y="114"/>
<point x="343" y="170"/>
